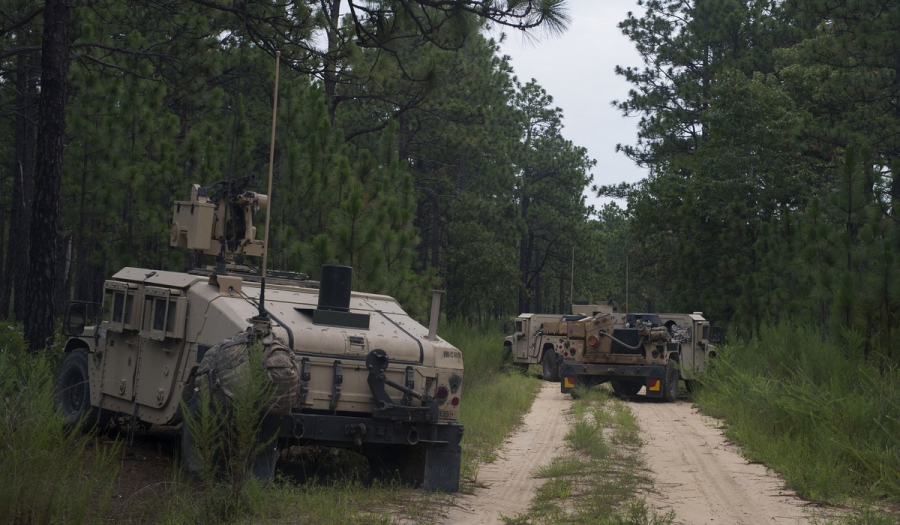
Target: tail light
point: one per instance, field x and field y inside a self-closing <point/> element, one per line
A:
<point x="592" y="340"/>
<point x="441" y="394"/>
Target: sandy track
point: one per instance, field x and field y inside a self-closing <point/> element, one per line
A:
<point x="702" y="477"/>
<point x="510" y="484"/>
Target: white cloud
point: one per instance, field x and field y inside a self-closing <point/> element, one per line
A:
<point x="577" y="69"/>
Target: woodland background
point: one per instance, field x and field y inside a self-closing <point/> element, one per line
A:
<point x="407" y="148"/>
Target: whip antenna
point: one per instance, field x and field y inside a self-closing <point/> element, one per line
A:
<point x="262" y="284"/>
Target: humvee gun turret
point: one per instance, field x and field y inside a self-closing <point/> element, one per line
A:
<point x="634" y="351"/>
<point x="350" y="369"/>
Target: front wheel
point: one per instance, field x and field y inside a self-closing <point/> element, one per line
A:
<point x="507" y="357"/>
<point x="550" y="366"/>
<point x="73" y="393"/>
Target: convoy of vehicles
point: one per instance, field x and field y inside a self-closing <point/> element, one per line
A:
<point x="348" y="369"/>
<point x="597" y="344"/>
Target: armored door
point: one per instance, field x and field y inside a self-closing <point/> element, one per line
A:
<point x="520" y="346"/>
<point x="120" y="338"/>
<point x="161" y="345"/>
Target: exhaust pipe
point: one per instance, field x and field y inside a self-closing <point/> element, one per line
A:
<point x="435" y="314"/>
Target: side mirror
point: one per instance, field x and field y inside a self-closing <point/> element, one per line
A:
<point x="716" y="334"/>
<point x="507" y="327"/>
<point x="75" y="319"/>
<point x="79" y="314"/>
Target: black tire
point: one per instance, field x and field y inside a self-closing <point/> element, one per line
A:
<point x="689" y="385"/>
<point x="73" y="392"/>
<point x="550" y="366"/>
<point x="626" y="387"/>
<point x="189" y="459"/>
<point x="507" y="355"/>
<point x="262" y="466"/>
<point x="670" y="383"/>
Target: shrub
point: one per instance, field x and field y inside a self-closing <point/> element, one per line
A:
<point x="827" y="421"/>
<point x="46" y="472"/>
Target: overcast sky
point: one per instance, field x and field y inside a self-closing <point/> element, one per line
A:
<point x="578" y="70"/>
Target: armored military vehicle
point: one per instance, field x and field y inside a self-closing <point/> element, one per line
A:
<point x="693" y="337"/>
<point x="528" y="344"/>
<point x="633" y="351"/>
<point x="348" y="369"/>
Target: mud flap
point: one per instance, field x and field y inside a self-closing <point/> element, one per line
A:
<point x="654" y="386"/>
<point x="442" y="465"/>
<point x="568" y="384"/>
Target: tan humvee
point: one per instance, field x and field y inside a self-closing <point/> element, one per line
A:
<point x="694" y="337"/>
<point x="633" y="351"/>
<point x="528" y="344"/>
<point x="363" y="373"/>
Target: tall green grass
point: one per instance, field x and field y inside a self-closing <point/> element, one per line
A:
<point x="47" y="474"/>
<point x="494" y="399"/>
<point x="827" y="420"/>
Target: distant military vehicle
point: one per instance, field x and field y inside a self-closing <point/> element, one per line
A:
<point x="634" y="351"/>
<point x="528" y="344"/>
<point x="348" y="369"/>
<point x="694" y="338"/>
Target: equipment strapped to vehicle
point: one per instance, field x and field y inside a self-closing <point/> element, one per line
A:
<point x="225" y="368"/>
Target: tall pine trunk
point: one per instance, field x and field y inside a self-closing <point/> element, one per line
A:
<point x="42" y="274"/>
<point x="23" y="179"/>
<point x="330" y="76"/>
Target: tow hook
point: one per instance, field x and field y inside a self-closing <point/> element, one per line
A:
<point x="357" y="431"/>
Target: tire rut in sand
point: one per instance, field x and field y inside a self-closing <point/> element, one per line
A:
<point x="509" y="481"/>
<point x="703" y="478"/>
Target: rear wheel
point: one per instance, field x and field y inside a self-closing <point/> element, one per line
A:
<point x="670" y="383"/>
<point x="550" y="366"/>
<point x="262" y="466"/>
<point x="626" y="387"/>
<point x="73" y="393"/>
<point x="189" y="457"/>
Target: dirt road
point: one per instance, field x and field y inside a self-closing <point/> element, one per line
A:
<point x="695" y="471"/>
<point x="702" y="477"/>
<point x="509" y="483"/>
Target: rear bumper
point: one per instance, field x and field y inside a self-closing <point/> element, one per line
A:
<point x="573" y="373"/>
<point x="437" y="443"/>
<point x="345" y="431"/>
